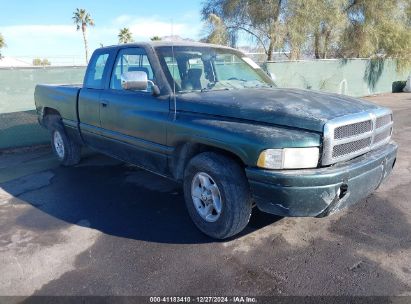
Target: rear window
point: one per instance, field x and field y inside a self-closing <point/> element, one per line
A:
<point x="95" y="71"/>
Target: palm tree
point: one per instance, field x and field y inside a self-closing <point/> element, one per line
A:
<point x="125" y="36"/>
<point x="2" y="43"/>
<point x="83" y="19"/>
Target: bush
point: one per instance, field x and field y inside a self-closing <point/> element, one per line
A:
<point x="398" y="86"/>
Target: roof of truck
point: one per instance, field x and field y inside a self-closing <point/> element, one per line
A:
<point x="160" y="43"/>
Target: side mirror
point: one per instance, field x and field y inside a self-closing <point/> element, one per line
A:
<point x="137" y="81"/>
<point x="134" y="81"/>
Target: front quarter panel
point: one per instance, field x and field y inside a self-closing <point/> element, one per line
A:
<point x="243" y="138"/>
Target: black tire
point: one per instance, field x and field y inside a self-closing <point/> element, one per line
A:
<point x="234" y="190"/>
<point x="71" y="150"/>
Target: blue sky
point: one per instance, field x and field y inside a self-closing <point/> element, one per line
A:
<point x="43" y="28"/>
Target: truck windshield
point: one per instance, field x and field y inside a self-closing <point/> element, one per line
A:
<point x="207" y="68"/>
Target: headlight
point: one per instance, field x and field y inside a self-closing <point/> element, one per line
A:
<point x="289" y="158"/>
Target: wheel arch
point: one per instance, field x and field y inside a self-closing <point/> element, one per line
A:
<point x="50" y="111"/>
<point x="47" y="114"/>
<point x="184" y="152"/>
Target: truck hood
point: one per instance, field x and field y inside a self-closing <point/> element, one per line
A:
<point x="296" y="108"/>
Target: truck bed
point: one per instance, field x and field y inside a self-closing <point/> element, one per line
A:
<point x="62" y="97"/>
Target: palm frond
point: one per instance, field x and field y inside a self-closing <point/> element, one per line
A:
<point x="82" y="18"/>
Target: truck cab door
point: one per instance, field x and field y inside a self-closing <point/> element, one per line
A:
<point x="90" y="95"/>
<point x="135" y="121"/>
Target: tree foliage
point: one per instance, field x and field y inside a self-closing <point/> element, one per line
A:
<point x="82" y="20"/>
<point x="408" y="14"/>
<point x="378" y="28"/>
<point x="2" y="43"/>
<point x="125" y="36"/>
<point x="318" y="28"/>
<point x="218" y="32"/>
<point x="258" y="18"/>
<point x="155" y="38"/>
<point x="41" y="62"/>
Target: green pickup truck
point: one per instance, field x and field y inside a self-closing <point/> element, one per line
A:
<point x="209" y="117"/>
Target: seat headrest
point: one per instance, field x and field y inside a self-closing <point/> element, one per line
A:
<point x="194" y="73"/>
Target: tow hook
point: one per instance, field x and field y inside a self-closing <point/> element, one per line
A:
<point x="343" y="191"/>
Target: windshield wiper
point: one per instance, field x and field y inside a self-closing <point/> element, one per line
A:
<point x="238" y="79"/>
<point x="211" y="89"/>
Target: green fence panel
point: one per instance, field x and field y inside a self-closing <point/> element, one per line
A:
<point x="353" y="77"/>
<point x="18" y="120"/>
<point x="17" y="85"/>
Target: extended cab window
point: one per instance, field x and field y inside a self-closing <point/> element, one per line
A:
<point x="94" y="77"/>
<point x="130" y="60"/>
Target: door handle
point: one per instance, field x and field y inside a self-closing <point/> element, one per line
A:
<point x="104" y="103"/>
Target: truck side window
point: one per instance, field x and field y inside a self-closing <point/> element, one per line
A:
<point x="94" y="77"/>
<point x="129" y="60"/>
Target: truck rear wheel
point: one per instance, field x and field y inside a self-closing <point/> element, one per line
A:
<point x="217" y="195"/>
<point x="67" y="151"/>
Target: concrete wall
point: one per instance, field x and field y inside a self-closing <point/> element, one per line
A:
<point x="356" y="77"/>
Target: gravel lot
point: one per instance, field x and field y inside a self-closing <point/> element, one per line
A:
<point x="108" y="228"/>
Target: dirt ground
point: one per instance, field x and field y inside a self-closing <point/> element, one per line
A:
<point x="108" y="228"/>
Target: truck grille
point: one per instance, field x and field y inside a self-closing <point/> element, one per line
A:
<point x="349" y="136"/>
<point x="353" y="129"/>
<point x="350" y="147"/>
<point x="384" y="120"/>
<point x="383" y="135"/>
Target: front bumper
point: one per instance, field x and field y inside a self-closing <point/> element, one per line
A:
<point x="322" y="191"/>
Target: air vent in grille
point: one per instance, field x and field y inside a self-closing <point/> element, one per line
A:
<point x="383" y="120"/>
<point x="350" y="147"/>
<point x="381" y="136"/>
<point x="353" y="129"/>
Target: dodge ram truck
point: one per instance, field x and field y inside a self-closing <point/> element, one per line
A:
<point x="210" y="118"/>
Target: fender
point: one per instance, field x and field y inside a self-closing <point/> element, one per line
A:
<point x="243" y="139"/>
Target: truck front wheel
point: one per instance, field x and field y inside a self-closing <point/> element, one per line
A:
<point x="67" y="151"/>
<point x="217" y="195"/>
